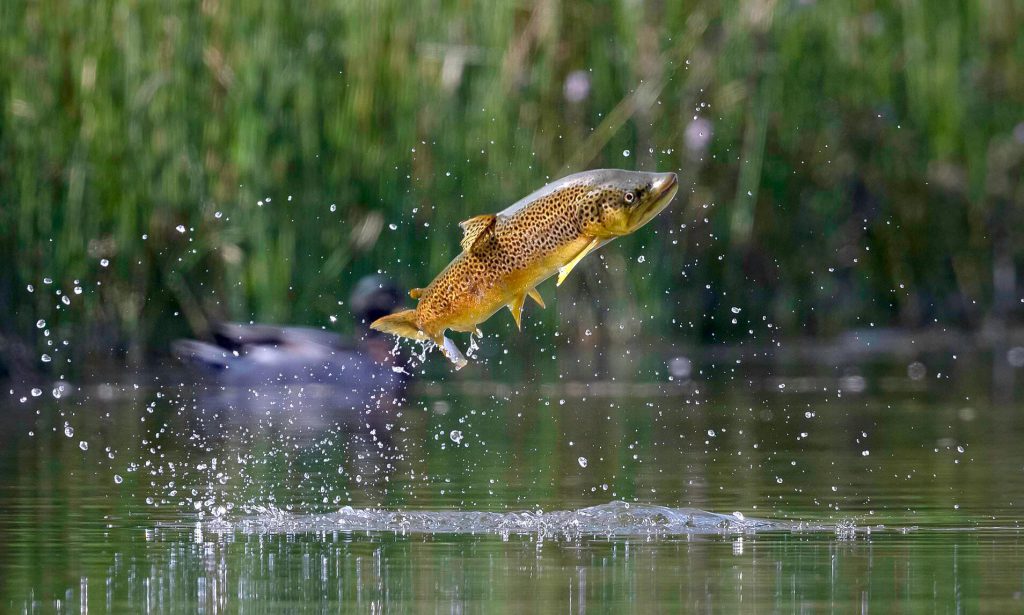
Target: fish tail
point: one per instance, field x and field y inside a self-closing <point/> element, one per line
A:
<point x="402" y="324"/>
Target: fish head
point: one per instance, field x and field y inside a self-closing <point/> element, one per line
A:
<point x="619" y="202"/>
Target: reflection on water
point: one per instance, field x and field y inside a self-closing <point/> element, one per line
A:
<point x="829" y="495"/>
<point x="182" y="570"/>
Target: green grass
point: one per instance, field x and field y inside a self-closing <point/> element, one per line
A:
<point x="863" y="167"/>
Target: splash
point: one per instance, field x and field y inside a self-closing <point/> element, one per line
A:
<point x="448" y="348"/>
<point x="614" y="519"/>
<point x="453" y="353"/>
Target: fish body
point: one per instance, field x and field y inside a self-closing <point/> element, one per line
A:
<point x="506" y="255"/>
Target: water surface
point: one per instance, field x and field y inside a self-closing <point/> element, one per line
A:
<point x="473" y="496"/>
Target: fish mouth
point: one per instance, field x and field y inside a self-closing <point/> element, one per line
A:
<point x="663" y="190"/>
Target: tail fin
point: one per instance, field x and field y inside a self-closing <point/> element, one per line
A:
<point x="402" y="324"/>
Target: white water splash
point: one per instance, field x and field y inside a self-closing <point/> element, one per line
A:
<point x="453" y="353"/>
<point x="611" y="519"/>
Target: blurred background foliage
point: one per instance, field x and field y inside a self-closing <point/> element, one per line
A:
<point x="844" y="164"/>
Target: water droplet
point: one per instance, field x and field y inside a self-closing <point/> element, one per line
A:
<point x="47" y="280"/>
<point x="334" y="207"/>
<point x="69" y="431"/>
<point x="917" y="371"/>
<point x="218" y="215"/>
<point x="393" y="226"/>
<point x="582" y="461"/>
<point x="117" y="479"/>
<point x="456" y="436"/>
<point x="180" y="228"/>
<point x="104" y="262"/>
<point x="641" y="258"/>
<point x="735" y="310"/>
<point x="959" y="449"/>
<point x="45" y="358"/>
<point x="738" y="515"/>
<point x="865" y="453"/>
<point x="37" y="392"/>
<point x="40" y="324"/>
<point x="30" y="288"/>
<point x="83" y="445"/>
<point x="711" y="433"/>
<point x="625" y="153"/>
<point x="78" y="290"/>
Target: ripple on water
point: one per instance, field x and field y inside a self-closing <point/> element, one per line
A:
<point x="611" y="519"/>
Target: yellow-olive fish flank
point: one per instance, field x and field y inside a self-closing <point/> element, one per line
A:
<point x="506" y="255"/>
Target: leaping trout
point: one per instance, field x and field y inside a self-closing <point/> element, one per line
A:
<point x="506" y="255"/>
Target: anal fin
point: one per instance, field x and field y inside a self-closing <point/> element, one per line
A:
<point x="564" y="271"/>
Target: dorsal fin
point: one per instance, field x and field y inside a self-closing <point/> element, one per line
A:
<point x="476" y="230"/>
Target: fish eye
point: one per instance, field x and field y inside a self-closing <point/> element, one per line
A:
<point x="629" y="197"/>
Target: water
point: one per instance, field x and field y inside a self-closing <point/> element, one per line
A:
<point x="844" y="494"/>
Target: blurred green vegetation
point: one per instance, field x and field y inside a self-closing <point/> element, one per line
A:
<point x="852" y="162"/>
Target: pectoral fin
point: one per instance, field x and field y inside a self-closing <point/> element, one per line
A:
<point x="536" y="297"/>
<point x="516" y="307"/>
<point x="564" y="271"/>
<point x="476" y="231"/>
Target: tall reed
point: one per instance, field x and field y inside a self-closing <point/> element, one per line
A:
<point x="850" y="163"/>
